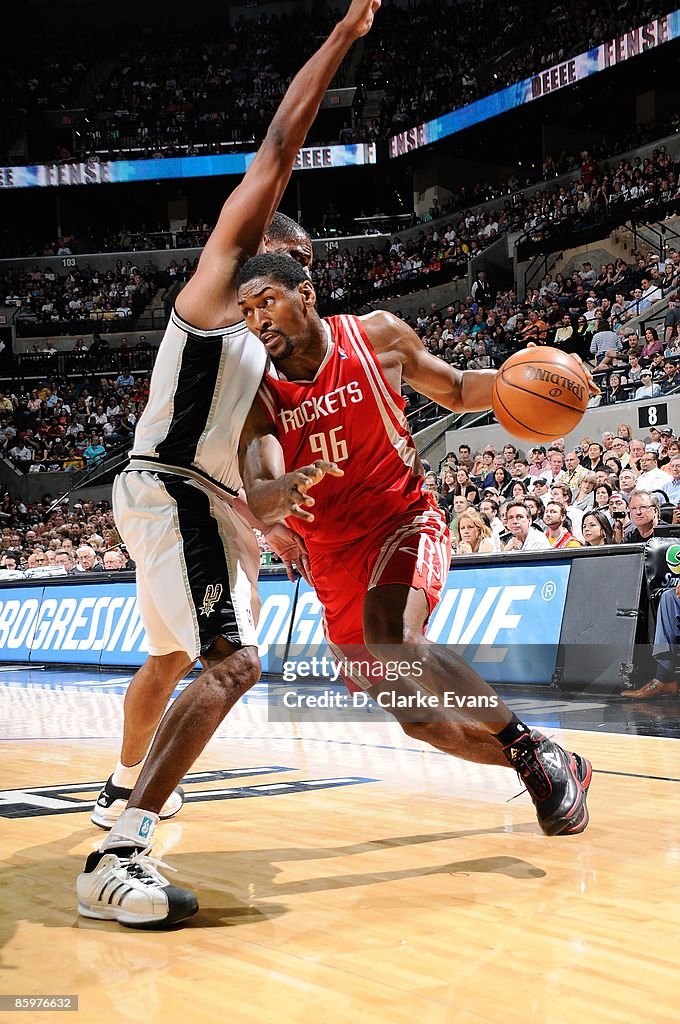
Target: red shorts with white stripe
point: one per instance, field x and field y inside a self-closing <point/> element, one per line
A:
<point x="415" y="553"/>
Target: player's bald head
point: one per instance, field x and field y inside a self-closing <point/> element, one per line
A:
<point x="286" y="237"/>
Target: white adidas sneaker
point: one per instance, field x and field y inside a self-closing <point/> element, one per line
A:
<point x="112" y="801"/>
<point x="124" y="884"/>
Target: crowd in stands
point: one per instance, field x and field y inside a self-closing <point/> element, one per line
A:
<point x="206" y="88"/>
<point x="439" y="252"/>
<point x="63" y="300"/>
<point x="42" y="72"/>
<point x="587" y="312"/>
<point x="60" y="425"/>
<point x="616" y="490"/>
<point x="613" y="491"/>
<point x="438" y="71"/>
<point x="55" y="536"/>
<point x="185" y="91"/>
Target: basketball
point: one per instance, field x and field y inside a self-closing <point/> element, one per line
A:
<point x="540" y="394"/>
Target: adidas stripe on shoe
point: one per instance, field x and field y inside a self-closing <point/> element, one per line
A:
<point x="112" y="801"/>
<point x="125" y="885"/>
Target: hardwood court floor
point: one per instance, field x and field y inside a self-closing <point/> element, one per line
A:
<point x="345" y="873"/>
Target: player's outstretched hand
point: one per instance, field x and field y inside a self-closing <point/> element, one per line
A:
<point x="291" y="549"/>
<point x="359" y="17"/>
<point x="296" y="484"/>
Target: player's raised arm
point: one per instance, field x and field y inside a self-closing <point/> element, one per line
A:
<point x="207" y="300"/>
<point x="457" y="390"/>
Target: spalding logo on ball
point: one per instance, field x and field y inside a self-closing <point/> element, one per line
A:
<point x="540" y="394"/>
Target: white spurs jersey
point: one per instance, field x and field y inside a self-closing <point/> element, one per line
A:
<point x="202" y="386"/>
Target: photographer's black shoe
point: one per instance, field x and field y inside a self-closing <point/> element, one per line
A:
<point x="557" y="783"/>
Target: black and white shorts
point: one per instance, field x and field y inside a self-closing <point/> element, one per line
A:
<point x="197" y="562"/>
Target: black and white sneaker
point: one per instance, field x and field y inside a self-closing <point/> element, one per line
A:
<point x="553" y="780"/>
<point x="125" y="885"/>
<point x="112" y="801"/>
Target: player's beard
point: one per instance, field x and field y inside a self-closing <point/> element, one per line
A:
<point x="286" y="352"/>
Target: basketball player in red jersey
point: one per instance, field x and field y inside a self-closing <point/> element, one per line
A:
<point x="197" y="561"/>
<point x="378" y="546"/>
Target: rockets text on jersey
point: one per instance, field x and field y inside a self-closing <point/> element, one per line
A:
<point x="348" y="414"/>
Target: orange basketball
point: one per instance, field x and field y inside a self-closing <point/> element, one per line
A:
<point x="540" y="394"/>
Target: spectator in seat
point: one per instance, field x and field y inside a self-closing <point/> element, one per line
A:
<point x="672" y="488"/>
<point x="556" y="472"/>
<point x="618" y="513"/>
<point x="605" y="345"/>
<point x="125" y="379"/>
<point x="64" y="558"/>
<point x="644" y="515"/>
<point x="637" y="450"/>
<point x="585" y="496"/>
<point x="574" y="471"/>
<point x="597" y="530"/>
<point x="613" y="465"/>
<point x="95" y="451"/>
<point x="603" y="493"/>
<point x="664" y="651"/>
<point x="617" y="392"/>
<point x="555" y="530"/>
<point x="671" y="335"/>
<point x="562" y="493"/>
<point x="473" y="534"/>
<point x="592" y="461"/>
<point x="86" y="559"/>
<point x="517" y="489"/>
<point x="652" y="345"/>
<point x="520" y="471"/>
<point x="651" y="478"/>
<point x="671" y="377"/>
<point x="535" y="329"/>
<point x="490" y="508"/>
<point x="463" y="480"/>
<point x="564" y="334"/>
<point x="22" y="455"/>
<point x="538" y="464"/>
<point x="621" y="449"/>
<point x="460" y="504"/>
<point x="114" y="560"/>
<point x="524" y="538"/>
<point x="501" y="479"/>
<point x="536" y="507"/>
<point x="72" y="460"/>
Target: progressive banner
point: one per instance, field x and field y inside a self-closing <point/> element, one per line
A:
<point x="507" y="624"/>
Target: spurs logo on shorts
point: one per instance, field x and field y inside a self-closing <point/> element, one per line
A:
<point x="213" y="592"/>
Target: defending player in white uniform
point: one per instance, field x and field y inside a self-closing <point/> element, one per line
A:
<point x="184" y="542"/>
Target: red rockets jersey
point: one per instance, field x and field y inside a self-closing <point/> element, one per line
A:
<point x="349" y="415"/>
